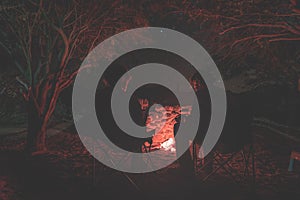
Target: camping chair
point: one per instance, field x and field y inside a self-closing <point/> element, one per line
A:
<point x="236" y="140"/>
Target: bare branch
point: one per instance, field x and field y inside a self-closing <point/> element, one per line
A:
<point x="284" y="39"/>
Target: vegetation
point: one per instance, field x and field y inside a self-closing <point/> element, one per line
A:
<point x="47" y="41"/>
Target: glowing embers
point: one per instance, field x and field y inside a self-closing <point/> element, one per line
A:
<point x="160" y="122"/>
<point x="169" y="145"/>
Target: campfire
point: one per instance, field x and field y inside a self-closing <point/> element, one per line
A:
<point x="161" y="120"/>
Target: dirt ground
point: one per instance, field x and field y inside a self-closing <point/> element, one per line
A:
<point x="68" y="171"/>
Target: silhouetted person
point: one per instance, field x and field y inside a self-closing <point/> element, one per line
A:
<point x="106" y="119"/>
<point x="186" y="162"/>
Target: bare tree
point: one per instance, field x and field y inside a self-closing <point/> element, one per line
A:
<point x="47" y="40"/>
<point x="236" y="32"/>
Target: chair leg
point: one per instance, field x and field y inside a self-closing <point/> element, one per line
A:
<point x="252" y="152"/>
<point x="250" y="157"/>
<point x="246" y="161"/>
<point x="194" y="157"/>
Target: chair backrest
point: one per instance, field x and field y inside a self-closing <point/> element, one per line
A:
<point x="237" y="128"/>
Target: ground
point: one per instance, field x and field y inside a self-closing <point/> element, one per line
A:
<point x="68" y="171"/>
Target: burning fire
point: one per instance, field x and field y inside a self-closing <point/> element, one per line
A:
<point x="162" y="120"/>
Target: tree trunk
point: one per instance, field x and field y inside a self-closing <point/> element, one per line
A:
<point x="36" y="138"/>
